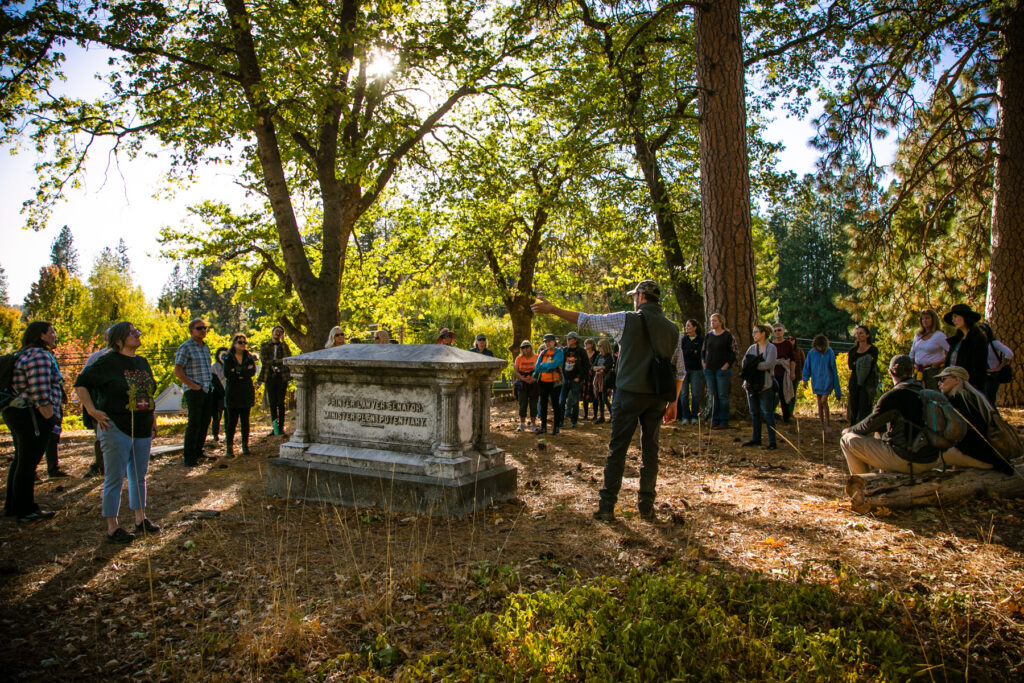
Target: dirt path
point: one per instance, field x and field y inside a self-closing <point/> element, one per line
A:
<point x="270" y="584"/>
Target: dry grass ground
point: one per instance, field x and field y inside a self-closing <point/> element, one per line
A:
<point x="272" y="586"/>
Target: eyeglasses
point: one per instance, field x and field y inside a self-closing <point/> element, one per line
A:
<point x="242" y="342"/>
<point x="135" y="333"/>
<point x="201" y="328"/>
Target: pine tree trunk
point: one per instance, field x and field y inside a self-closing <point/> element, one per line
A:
<point x="1005" y="306"/>
<point x="727" y="243"/>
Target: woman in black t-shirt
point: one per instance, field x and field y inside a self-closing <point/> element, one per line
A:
<point x="118" y="392"/>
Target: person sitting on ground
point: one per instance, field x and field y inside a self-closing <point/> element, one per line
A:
<point x="968" y="347"/>
<point x="974" y="450"/>
<point x="929" y="349"/>
<point x="480" y="346"/>
<point x="759" y="385"/>
<point x="123" y="385"/>
<point x="820" y="370"/>
<point x="999" y="356"/>
<point x="899" y="413"/>
<point x="526" y="384"/>
<point x="335" y="338"/>
<point x="381" y="337"/>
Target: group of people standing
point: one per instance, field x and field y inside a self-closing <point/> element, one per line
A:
<point x="117" y="392"/>
<point x="560" y="378"/>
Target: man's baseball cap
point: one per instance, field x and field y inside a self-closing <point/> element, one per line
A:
<point x="481" y="337"/>
<point x="902" y="365"/>
<point x="648" y="287"/>
<point x="573" y="335"/>
<point x="549" y="337"/>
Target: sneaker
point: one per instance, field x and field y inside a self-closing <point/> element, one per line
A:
<point x="520" y="428"/>
<point x="146" y="526"/>
<point x="37" y="516"/>
<point x="772" y="447"/>
<point x="604" y="515"/>
<point x="56" y="474"/>
<point x="573" y="425"/>
<point x="120" y="536"/>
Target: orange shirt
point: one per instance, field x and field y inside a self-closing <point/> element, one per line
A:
<point x="524" y="365"/>
<point x="546" y="356"/>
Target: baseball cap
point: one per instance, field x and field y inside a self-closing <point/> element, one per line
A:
<point x="549" y="337"/>
<point x="481" y="337"/>
<point x="648" y="287"/>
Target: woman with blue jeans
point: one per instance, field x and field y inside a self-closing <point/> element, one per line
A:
<point x="118" y="392"/>
<point x="717" y="358"/>
<point x="761" y="394"/>
<point x="692" y="393"/>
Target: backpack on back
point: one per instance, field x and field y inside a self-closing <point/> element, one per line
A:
<point x="8" y="396"/>
<point x="942" y="426"/>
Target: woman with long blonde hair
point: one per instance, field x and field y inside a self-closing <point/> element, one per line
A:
<point x="335" y="338"/>
<point x="974" y="450"/>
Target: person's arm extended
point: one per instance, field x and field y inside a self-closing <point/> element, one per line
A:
<point x="542" y="305"/>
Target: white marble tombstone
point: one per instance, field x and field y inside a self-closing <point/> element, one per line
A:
<point x="398" y="427"/>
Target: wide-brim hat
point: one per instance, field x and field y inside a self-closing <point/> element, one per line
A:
<point x="445" y="333"/>
<point x="964" y="311"/>
<point x="955" y="371"/>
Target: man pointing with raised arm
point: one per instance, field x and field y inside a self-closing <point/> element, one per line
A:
<point x="635" y="400"/>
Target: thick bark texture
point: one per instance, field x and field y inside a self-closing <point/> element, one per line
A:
<point x="1005" y="306"/>
<point x="896" y="491"/>
<point x="727" y="243"/>
<point x="517" y="301"/>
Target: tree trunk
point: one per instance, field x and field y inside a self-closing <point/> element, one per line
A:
<point x="522" y="320"/>
<point x="1005" y="305"/>
<point x="894" y="491"/>
<point x="691" y="303"/>
<point x="727" y="243"/>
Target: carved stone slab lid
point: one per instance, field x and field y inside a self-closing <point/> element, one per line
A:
<point x="404" y="356"/>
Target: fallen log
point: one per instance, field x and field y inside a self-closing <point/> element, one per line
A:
<point x="897" y="492"/>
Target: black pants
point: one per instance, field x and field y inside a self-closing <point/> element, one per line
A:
<point x="628" y="410"/>
<point x="28" y="451"/>
<point x="276" y="390"/>
<point x="216" y="410"/>
<point x="200" y="407"/>
<point x="549" y="393"/>
<point x="527" y="395"/>
<point x="232" y="417"/>
<point x="52" y="464"/>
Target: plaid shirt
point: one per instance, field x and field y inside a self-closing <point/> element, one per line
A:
<point x="37" y="379"/>
<point x="613" y="324"/>
<point x="194" y="359"/>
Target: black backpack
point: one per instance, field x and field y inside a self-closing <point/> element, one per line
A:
<point x="751" y="375"/>
<point x="7" y="393"/>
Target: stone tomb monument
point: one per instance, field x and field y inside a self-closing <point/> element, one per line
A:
<point x="404" y="428"/>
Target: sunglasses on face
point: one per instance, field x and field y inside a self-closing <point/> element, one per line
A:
<point x="242" y="342"/>
<point x="201" y="328"/>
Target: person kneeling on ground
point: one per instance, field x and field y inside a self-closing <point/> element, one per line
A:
<point x="898" y="412"/>
<point x="974" y="450"/>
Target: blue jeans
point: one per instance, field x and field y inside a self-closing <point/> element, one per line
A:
<point x="762" y="409"/>
<point x="691" y="395"/>
<point x="719" y="382"/>
<point x="123" y="456"/>
<point x="570" y="400"/>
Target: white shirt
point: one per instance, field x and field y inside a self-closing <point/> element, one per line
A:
<point x="931" y="350"/>
<point x="993" y="359"/>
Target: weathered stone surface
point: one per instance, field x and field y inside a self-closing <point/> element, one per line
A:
<point x="416" y="417"/>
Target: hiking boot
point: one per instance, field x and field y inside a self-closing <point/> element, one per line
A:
<point x="647" y="514"/>
<point x="604" y="515"/>
<point x="93" y="471"/>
